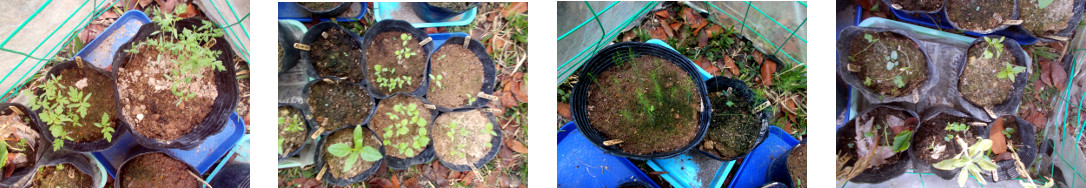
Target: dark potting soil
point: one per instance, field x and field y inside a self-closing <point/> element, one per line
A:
<point x="157" y="170"/>
<point x="453" y="6"/>
<point x="919" y="5"/>
<point x="469" y="138"/>
<point x="291" y="139"/>
<point x="145" y="92"/>
<point x="67" y="176"/>
<point x="732" y="129"/>
<point x="885" y="132"/>
<point x="875" y="57"/>
<point x="383" y="52"/>
<point x="979" y="82"/>
<point x="998" y="136"/>
<point x="320" y="6"/>
<point x="648" y="103"/>
<point x="382" y="120"/>
<point x="338" y="105"/>
<point x="337" y="54"/>
<point x="102" y="101"/>
<point x="934" y="132"/>
<point x="335" y="164"/>
<point x="979" y="15"/>
<point x="24" y="156"/>
<point x="797" y="165"/>
<point x="462" y="76"/>
<point x="1047" y="21"/>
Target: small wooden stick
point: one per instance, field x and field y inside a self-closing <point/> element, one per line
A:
<point x="1012" y="22"/>
<point x="486" y="96"/>
<point x="491" y="110"/>
<point x="79" y="61"/>
<point x="425" y="41"/>
<point x="430" y="106"/>
<point x="16" y="110"/>
<point x="852" y="67"/>
<point x="317" y="133"/>
<point x="321" y="173"/>
<point x="896" y="6"/>
<point x="301" y="46"/>
<point x="467" y="41"/>
<point x="329" y="80"/>
<point x="1059" y="38"/>
<point x="612" y="142"/>
<point x="198" y="178"/>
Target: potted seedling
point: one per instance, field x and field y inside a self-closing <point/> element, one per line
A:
<point x="885" y="65"/>
<point x="175" y="81"/>
<point x="466" y="140"/>
<point x="441" y="11"/>
<point x="148" y="168"/>
<point x="641" y="101"/>
<point x="982" y="17"/>
<point x="738" y="125"/>
<point x="403" y="122"/>
<point x="325" y="9"/>
<point x="1054" y="19"/>
<point x="20" y="148"/>
<point x="69" y="170"/>
<point x="937" y="140"/>
<point x="970" y="161"/>
<point x="460" y="73"/>
<point x="333" y="51"/>
<point x="396" y="59"/>
<point x="352" y="154"/>
<point x="992" y="77"/>
<point x="293" y="131"/>
<point x="1007" y="133"/>
<point x="875" y="143"/>
<point x="336" y="103"/>
<point x="76" y="103"/>
<point x="790" y="167"/>
<point x="915" y="6"/>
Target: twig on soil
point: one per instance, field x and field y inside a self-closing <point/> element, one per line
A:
<point x="198" y="178"/>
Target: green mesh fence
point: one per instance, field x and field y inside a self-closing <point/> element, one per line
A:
<point x="776" y="28"/>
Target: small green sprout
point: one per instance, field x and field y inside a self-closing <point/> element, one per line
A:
<point x="972" y="161"/>
<point x="359" y="151"/>
<point x="410" y="119"/>
<point x="1009" y="71"/>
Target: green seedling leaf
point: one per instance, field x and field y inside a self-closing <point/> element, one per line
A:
<point x="339" y="149"/>
<point x="902" y="140"/>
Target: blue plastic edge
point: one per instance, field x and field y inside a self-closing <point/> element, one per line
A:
<point x="201" y="167"/>
<point x="244" y="139"/>
<point x="939" y="20"/>
<point x="291" y="8"/>
<point x="132" y="15"/>
<point x="571" y="126"/>
<point x="380" y="9"/>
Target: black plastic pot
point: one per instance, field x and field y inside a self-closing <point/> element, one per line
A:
<point x="934" y="112"/>
<point x="21" y="177"/>
<point x="874" y="175"/>
<point x="400" y="26"/>
<point x="489" y="73"/>
<point x="1013" y="16"/>
<point x="778" y="170"/>
<point x="290" y="54"/>
<point x="889" y="3"/>
<point x="495" y="142"/>
<point x="97" y="145"/>
<point x="1027" y="152"/>
<point x="1010" y="105"/>
<point x="82" y="162"/>
<point x="852" y="79"/>
<point x="1065" y="32"/>
<point x="431" y="13"/>
<point x="328" y="178"/>
<point x="225" y="83"/>
<point x="308" y="130"/>
<point x="720" y="83"/>
<point x="603" y="61"/>
<point x="310" y="118"/>
<point x="140" y="151"/>
<point x="426" y="155"/>
<point x="327" y="13"/>
<point x="315" y="33"/>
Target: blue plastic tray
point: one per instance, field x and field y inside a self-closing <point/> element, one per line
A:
<point x="939" y="20"/>
<point x="753" y="170"/>
<point x="114" y="36"/>
<point x="291" y="11"/>
<point x="202" y="157"/>
<point x="394" y="10"/>
<point x="582" y="164"/>
<point x="241" y="149"/>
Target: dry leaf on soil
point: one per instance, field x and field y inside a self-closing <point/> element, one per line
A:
<point x="514" y="8"/>
<point x="768" y="69"/>
<point x="563" y="110"/>
<point x="729" y="64"/>
<point x="379" y="182"/>
<point x="515" y="145"/>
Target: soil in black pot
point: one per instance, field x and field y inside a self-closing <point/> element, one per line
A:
<point x="648" y="103"/>
<point x="20" y="139"/>
<point x="402" y="122"/>
<point x="979" y="15"/>
<point x="320" y="6"/>
<point x="291" y="129"/>
<point x="460" y="73"/>
<point x="797" y="165"/>
<point x="919" y="5"/>
<point x="338" y="104"/>
<point x="102" y="103"/>
<point x="336" y="53"/>
<point x="336" y="164"/>
<point x="889" y="63"/>
<point x="64" y="175"/>
<point x="148" y="103"/>
<point x="453" y="6"/>
<point x="979" y="82"/>
<point x="463" y="137"/>
<point x="734" y="127"/>
<point x="1045" y="21"/>
<point x="156" y="170"/>
<point x="1003" y="130"/>
<point x="939" y="145"/>
<point x="391" y="69"/>
<point x="877" y="127"/>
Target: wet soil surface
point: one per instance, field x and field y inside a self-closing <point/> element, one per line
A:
<point x="462" y="76"/>
<point x="145" y="92"/>
<point x="732" y="129"/>
<point x="338" y="105"/>
<point x="649" y="103"/>
<point x="335" y="164"/>
<point x="102" y="101"/>
<point x="453" y="6"/>
<point x="320" y="6"/>
<point x="291" y="139"/>
<point x="1046" y="21"/>
<point x="382" y="120"/>
<point x="67" y="176"/>
<point x="934" y="132"/>
<point x="797" y="165"/>
<point x="979" y="83"/>
<point x="383" y="52"/>
<point x="919" y="5"/>
<point x="336" y="53"/>
<point x="469" y="138"/>
<point x="979" y="15"/>
<point x="157" y="170"/>
<point x="879" y="69"/>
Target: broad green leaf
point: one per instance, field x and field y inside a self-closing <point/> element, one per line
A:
<point x="975" y="171"/>
<point x="985" y="163"/>
<point x="351" y="159"/>
<point x="1043" y="3"/>
<point x="901" y="141"/>
<point x="962" y="176"/>
<point x="358" y="136"/>
<point x="948" y="164"/>
<point x="339" y="149"/>
<point x="980" y="146"/>
<point x="368" y="153"/>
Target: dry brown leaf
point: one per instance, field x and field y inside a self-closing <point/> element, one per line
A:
<point x="395" y="180"/>
<point x="144" y="3"/>
<point x="467" y="177"/>
<point x="708" y="67"/>
<point x="520" y="90"/>
<point x="514" y="9"/>
<point x="675" y="26"/>
<point x="730" y="65"/>
<point x="508" y="100"/>
<point x="515" y="145"/>
<point x="658" y="33"/>
<point x="190" y="11"/>
<point x="663" y="14"/>
<point x="667" y="30"/>
<point x="703" y="39"/>
<point x="411" y="182"/>
<point x="768" y="69"/>
<point x="999" y="142"/>
<point x="563" y="110"/>
<point x="167" y="5"/>
<point x="379" y="182"/>
<point x="1058" y="75"/>
<point x="714" y="30"/>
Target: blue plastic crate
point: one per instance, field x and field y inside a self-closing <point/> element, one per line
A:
<point x="939" y="20"/>
<point x="396" y="10"/>
<point x="753" y="170"/>
<point x="291" y="11"/>
<point x="582" y="164"/>
<point x="113" y="37"/>
<point x="202" y="157"/>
